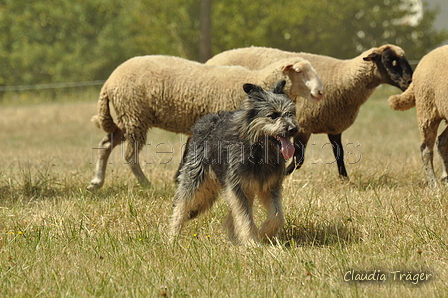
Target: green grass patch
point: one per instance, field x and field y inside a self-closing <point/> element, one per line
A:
<point x="58" y="239"/>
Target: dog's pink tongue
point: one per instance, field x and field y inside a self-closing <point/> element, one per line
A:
<point x="287" y="148"/>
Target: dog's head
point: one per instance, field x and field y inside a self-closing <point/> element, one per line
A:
<point x="269" y="114"/>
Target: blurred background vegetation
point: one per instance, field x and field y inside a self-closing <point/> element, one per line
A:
<point x="49" y="41"/>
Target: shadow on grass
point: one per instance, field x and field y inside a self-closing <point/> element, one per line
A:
<point x="384" y="180"/>
<point x="28" y="182"/>
<point x="338" y="232"/>
<point x="37" y="186"/>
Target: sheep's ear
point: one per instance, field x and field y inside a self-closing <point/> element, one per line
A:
<point x="251" y="88"/>
<point x="293" y="67"/>
<point x="278" y="89"/>
<point x="371" y="57"/>
<point x="287" y="67"/>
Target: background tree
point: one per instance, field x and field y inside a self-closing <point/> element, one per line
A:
<point x="339" y="28"/>
<point x="205" y="43"/>
<point x="169" y="27"/>
<point x="43" y="41"/>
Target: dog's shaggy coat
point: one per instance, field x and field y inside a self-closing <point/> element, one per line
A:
<point x="242" y="153"/>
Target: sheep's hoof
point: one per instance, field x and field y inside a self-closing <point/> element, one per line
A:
<point x="344" y="178"/>
<point x="433" y="184"/>
<point x="93" y="187"/>
<point x="145" y="184"/>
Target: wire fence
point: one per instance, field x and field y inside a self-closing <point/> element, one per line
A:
<point x="50" y="86"/>
<point x="81" y="84"/>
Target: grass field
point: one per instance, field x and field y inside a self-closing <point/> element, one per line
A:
<point x="57" y="239"/>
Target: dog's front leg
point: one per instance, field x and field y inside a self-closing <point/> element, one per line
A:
<point x="275" y="220"/>
<point x="243" y="225"/>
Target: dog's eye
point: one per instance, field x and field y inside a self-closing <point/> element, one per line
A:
<point x="274" y="115"/>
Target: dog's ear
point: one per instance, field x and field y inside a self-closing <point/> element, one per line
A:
<point x="278" y="89"/>
<point x="251" y="88"/>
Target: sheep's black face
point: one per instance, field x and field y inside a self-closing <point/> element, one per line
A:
<point x="395" y="69"/>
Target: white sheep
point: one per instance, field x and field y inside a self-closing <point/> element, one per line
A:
<point x="348" y="84"/>
<point x="428" y="93"/>
<point x="172" y="93"/>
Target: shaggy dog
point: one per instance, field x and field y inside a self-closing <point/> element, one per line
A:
<point x="241" y="153"/>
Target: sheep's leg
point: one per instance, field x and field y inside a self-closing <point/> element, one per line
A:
<point x="428" y="131"/>
<point x="275" y="218"/>
<point x="134" y="143"/>
<point x="106" y="146"/>
<point x="442" y="146"/>
<point x="338" y="151"/>
<point x="300" y="141"/>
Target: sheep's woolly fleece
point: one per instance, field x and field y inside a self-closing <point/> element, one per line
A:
<point x="172" y="93"/>
<point x="347" y="83"/>
<point x="428" y="93"/>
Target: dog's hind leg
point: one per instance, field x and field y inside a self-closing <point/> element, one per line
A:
<point x="180" y="214"/>
<point x="204" y="197"/>
<point x="275" y="218"/>
<point x="244" y="228"/>
<point x="194" y="196"/>
<point x="184" y="158"/>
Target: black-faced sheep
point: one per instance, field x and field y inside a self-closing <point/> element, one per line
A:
<point x="348" y="84"/>
<point x="172" y="93"/>
<point x="428" y="93"/>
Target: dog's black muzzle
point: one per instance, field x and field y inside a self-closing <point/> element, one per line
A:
<point x="292" y="131"/>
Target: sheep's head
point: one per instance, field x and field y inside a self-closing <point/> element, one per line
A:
<point x="305" y="80"/>
<point x="392" y="67"/>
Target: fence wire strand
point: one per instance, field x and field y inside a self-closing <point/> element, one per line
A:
<point x="80" y="84"/>
<point x="50" y="86"/>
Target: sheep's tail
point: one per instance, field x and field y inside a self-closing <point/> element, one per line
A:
<point x="403" y="101"/>
<point x="104" y="119"/>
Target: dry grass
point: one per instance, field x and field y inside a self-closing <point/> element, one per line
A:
<point x="57" y="239"/>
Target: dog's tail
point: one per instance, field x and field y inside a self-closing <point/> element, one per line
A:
<point x="403" y="101"/>
<point x="104" y="119"/>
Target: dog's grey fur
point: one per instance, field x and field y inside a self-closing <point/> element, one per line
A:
<point x="239" y="153"/>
